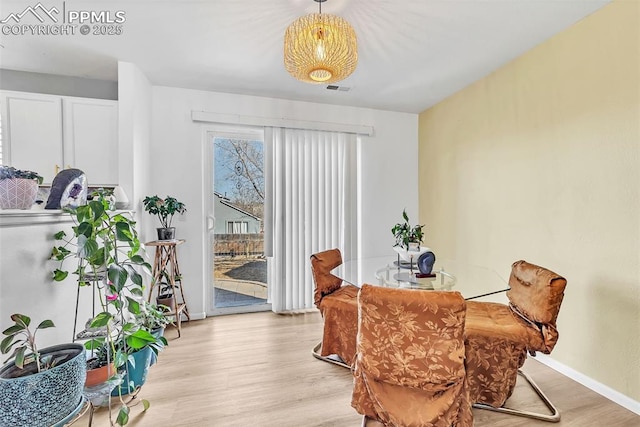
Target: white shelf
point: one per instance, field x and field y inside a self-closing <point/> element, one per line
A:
<point x="19" y="217"/>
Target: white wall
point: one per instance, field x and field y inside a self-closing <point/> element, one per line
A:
<point x="388" y="167"/>
<point x="26" y="286"/>
<point x="24" y="81"/>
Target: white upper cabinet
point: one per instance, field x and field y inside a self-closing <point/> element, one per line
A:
<point x="32" y="132"/>
<point x="91" y="138"/>
<point x="45" y="133"/>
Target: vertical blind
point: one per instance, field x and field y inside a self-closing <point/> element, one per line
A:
<point x="311" y="206"/>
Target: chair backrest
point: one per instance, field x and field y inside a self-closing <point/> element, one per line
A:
<point x="400" y="325"/>
<point x="410" y="348"/>
<point x="536" y="294"/>
<point x="321" y="264"/>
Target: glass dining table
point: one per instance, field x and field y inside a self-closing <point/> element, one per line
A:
<point x="470" y="280"/>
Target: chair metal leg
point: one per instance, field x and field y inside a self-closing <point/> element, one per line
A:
<point x="553" y="418"/>
<point x="370" y="422"/>
<point x="335" y="359"/>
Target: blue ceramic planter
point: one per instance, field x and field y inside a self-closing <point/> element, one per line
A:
<point x="137" y="373"/>
<point x="46" y="398"/>
<point x="158" y="332"/>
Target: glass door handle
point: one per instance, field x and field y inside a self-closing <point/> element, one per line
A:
<point x="211" y="222"/>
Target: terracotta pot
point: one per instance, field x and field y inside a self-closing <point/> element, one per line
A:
<point x="18" y="193"/>
<point x="99" y="375"/>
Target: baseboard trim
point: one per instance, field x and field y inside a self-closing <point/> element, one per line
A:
<point x="601" y="389"/>
<point x="196" y="316"/>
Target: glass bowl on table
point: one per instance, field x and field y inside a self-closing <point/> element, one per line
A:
<point x="398" y="277"/>
<point x="409" y="258"/>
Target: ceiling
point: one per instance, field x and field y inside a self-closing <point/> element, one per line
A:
<point x="412" y="53"/>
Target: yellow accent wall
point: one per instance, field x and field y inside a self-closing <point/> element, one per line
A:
<point x="540" y="161"/>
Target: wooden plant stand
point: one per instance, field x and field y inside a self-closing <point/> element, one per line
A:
<point x="165" y="264"/>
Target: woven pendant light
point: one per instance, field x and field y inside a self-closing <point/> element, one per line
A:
<point x="320" y="48"/>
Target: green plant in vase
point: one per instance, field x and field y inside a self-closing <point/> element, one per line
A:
<point x="407" y="237"/>
<point x="18" y="188"/>
<point x="152" y="317"/>
<point x="9" y="172"/>
<point x="164" y="209"/>
<point x="110" y="258"/>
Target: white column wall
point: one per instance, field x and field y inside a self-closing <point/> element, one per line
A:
<point x="134" y="121"/>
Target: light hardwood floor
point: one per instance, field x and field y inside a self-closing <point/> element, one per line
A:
<point x="256" y="370"/>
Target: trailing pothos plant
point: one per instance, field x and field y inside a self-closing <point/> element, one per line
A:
<point x="110" y="256"/>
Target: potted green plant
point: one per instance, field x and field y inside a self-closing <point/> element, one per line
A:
<point x="110" y="259"/>
<point x="18" y="188"/>
<point x="152" y="318"/>
<point x="166" y="297"/>
<point x="39" y="387"/>
<point x="134" y="346"/>
<point x="409" y="246"/>
<point x="407" y="237"/>
<point x="165" y="209"/>
<point x="138" y="347"/>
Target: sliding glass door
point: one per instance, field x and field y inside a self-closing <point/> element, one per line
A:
<point x="236" y="227"/>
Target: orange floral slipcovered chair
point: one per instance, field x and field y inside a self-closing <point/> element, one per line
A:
<point x="498" y="336"/>
<point x="339" y="307"/>
<point x="409" y="368"/>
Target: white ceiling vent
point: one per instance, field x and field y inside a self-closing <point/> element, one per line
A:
<point x="339" y="88"/>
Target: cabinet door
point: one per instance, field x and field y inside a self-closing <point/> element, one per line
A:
<point x="91" y="138"/>
<point x="32" y="138"/>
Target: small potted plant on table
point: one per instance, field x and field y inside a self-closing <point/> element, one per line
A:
<point x="407" y="237"/>
<point x="165" y="209"/>
<point x="408" y="245"/>
<point x="18" y="188"/>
